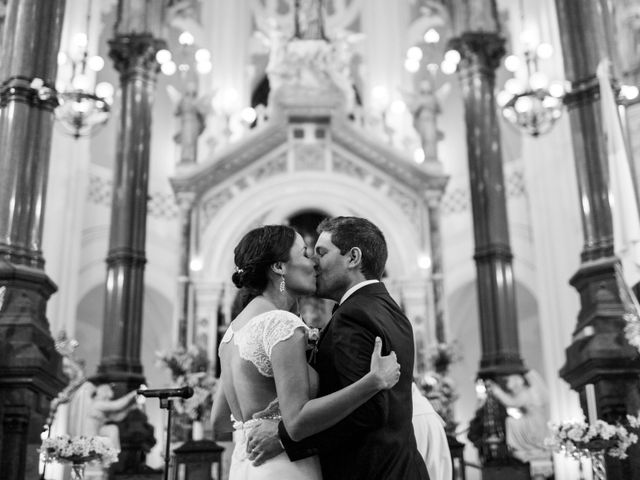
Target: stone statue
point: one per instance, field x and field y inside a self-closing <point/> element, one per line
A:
<point x="319" y="67"/>
<point x="94" y="412"/>
<point x="309" y="20"/>
<point x="526" y="428"/>
<point x="192" y="112"/>
<point x="425" y="108"/>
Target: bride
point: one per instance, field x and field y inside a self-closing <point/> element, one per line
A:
<point x="265" y="376"/>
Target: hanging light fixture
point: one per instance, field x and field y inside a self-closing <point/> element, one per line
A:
<point x="531" y="102"/>
<point x="187" y="58"/>
<point x="83" y="106"/>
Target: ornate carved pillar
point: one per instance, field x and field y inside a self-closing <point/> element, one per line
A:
<point x="481" y="48"/>
<point x="598" y="354"/>
<point x="209" y="298"/>
<point x="31" y="367"/>
<point x="183" y="300"/>
<point x="133" y="50"/>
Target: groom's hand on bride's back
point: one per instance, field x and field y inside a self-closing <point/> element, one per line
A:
<point x="263" y="442"/>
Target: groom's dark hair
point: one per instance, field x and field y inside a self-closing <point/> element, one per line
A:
<point x="349" y="232"/>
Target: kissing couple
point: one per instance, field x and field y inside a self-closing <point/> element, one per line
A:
<point x="348" y="415"/>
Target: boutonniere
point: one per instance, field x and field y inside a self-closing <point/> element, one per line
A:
<point x="313" y="335"/>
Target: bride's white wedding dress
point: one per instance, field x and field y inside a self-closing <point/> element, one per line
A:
<point x="255" y="341"/>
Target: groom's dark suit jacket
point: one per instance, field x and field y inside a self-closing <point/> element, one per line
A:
<point x="376" y="441"/>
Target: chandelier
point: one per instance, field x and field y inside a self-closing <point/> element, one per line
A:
<point x="188" y="60"/>
<point x="529" y="100"/>
<point x="83" y="106"/>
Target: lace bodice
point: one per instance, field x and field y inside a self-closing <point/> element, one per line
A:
<point x="256" y="339"/>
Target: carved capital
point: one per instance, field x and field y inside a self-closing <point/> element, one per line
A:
<point x="479" y="49"/>
<point x="135" y="53"/>
<point x="434" y="200"/>
<point x="185" y="201"/>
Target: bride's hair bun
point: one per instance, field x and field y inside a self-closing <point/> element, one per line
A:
<point x="257" y="251"/>
<point x="239" y="275"/>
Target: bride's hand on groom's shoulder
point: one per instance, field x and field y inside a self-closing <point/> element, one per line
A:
<point x="386" y="368"/>
<point x="263" y="442"/>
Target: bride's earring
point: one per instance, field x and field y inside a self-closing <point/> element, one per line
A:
<point x="282" y="284"/>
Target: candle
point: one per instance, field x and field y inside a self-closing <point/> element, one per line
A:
<point x="592" y="412"/>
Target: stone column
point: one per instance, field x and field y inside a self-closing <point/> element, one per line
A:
<point x="481" y="49"/>
<point x="209" y="300"/>
<point x="183" y="300"/>
<point x="481" y="53"/>
<point x="434" y="202"/>
<point x="31" y="368"/>
<point x="133" y="50"/>
<point x="598" y="353"/>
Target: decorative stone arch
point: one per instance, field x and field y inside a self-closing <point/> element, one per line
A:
<point x="278" y="198"/>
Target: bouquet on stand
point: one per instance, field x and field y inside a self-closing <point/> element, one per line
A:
<point x="437" y="385"/>
<point x="78" y="451"/>
<point x="581" y="440"/>
<point x="190" y="367"/>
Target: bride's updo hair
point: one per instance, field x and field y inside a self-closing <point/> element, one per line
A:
<point x="257" y="251"/>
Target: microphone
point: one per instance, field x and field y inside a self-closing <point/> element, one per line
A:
<point x="184" y="392"/>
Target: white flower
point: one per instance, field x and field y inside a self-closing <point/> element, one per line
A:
<point x="576" y="433"/>
<point x="634" y="422"/>
<point x="632" y="329"/>
<point x="577" y="439"/>
<point x="64" y="448"/>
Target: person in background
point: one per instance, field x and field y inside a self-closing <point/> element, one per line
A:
<point x="431" y="438"/>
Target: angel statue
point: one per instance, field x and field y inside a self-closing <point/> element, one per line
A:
<point x="192" y="112"/>
<point x="94" y="412"/>
<point x="526" y="427"/>
<point x="72" y="368"/>
<point x="425" y="108"/>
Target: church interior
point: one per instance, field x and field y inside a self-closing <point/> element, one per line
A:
<point x="494" y="142"/>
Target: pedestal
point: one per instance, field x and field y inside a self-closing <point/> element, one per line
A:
<point x="194" y="459"/>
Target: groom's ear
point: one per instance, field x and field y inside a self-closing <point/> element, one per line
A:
<point x="277" y="268"/>
<point x="355" y="257"/>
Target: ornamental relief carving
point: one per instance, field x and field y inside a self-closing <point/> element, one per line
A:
<point x="627" y="19"/>
<point x="407" y="203"/>
<point x="309" y="157"/>
<point x="338" y="14"/>
<point x="343" y="165"/>
<point x="273" y="167"/>
<point x="210" y="207"/>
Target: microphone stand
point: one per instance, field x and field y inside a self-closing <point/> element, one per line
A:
<point x="167" y="404"/>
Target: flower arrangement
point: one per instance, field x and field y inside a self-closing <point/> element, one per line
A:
<point x="441" y="391"/>
<point x="437" y="385"/>
<point x="632" y="310"/>
<point x="191" y="367"/>
<point x="78" y="450"/>
<point x="578" y="439"/>
<point x="443" y="355"/>
<point x="632" y="329"/>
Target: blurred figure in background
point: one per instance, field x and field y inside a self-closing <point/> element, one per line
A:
<point x="431" y="438"/>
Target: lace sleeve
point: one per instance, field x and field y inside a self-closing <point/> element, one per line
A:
<point x="279" y="327"/>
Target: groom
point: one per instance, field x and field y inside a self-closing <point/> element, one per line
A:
<point x="376" y="441"/>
